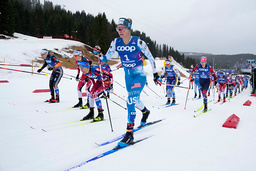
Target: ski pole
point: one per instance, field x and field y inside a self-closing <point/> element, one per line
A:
<point x="106" y="98"/>
<point x="188" y="91"/>
<point x="119" y="97"/>
<point x="21" y="65"/>
<point x="29" y="72"/>
<point x="117" y="104"/>
<point x="66" y="74"/>
<point x="145" y="92"/>
<point x="115" y="69"/>
<point x="183" y="80"/>
<point x="174" y="85"/>
<point x="56" y="71"/>
<point x="153" y="91"/>
<point x="119" y="83"/>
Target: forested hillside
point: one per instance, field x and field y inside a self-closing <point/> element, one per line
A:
<point x="30" y="17"/>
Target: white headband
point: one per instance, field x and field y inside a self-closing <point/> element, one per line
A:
<point x="44" y="52"/>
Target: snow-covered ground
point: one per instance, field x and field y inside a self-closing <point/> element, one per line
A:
<point x="180" y="142"/>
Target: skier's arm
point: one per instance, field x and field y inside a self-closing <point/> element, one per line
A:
<point x="177" y="73"/>
<point x="45" y="64"/>
<point x="163" y="73"/>
<point x="144" y="49"/>
<point x="109" y="54"/>
<point x="78" y="71"/>
<point x="104" y="73"/>
<point x="213" y="73"/>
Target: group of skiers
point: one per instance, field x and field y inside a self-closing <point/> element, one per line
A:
<point x="98" y="78"/>
<point x="226" y="83"/>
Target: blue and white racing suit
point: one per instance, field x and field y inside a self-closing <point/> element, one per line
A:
<point x="135" y="77"/>
<point x="171" y="74"/>
<point x="196" y="82"/>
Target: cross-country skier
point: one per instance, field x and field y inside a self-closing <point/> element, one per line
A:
<point x="97" y="52"/>
<point x="253" y="79"/>
<point x="130" y="50"/>
<point x="102" y="80"/>
<point x="82" y="81"/>
<point x="172" y="76"/>
<point x="237" y="86"/>
<point x="197" y="85"/>
<point x="230" y="87"/>
<point x="191" y="82"/>
<point x="221" y="85"/>
<point x="54" y="65"/>
<point x="245" y="81"/>
<point x="205" y="72"/>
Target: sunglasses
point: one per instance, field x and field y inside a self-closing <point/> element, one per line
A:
<point x="120" y="29"/>
<point x="96" y="51"/>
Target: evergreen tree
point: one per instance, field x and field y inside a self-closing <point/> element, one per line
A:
<point x="7" y="19"/>
<point x="31" y="18"/>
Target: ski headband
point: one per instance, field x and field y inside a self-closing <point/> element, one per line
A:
<point x="125" y="22"/>
<point x="167" y="62"/>
<point x="44" y="52"/>
<point x="77" y="52"/>
<point x="203" y="59"/>
<point x="96" y="50"/>
<point x="84" y="64"/>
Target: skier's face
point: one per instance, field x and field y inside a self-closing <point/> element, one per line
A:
<point x="44" y="56"/>
<point x="203" y="64"/>
<point x="85" y="70"/>
<point x="77" y="57"/>
<point x="122" y="31"/>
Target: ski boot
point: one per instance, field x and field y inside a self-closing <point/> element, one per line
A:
<point x="219" y="99"/>
<point x="205" y="107"/>
<point x="100" y="116"/>
<point x="52" y="98"/>
<point x="224" y="99"/>
<point x="195" y="95"/>
<point x="199" y="97"/>
<point x="85" y="106"/>
<point x="168" y="101"/>
<point x="128" y="138"/>
<point x="173" y="101"/>
<point x="145" y="113"/>
<point x="90" y="115"/>
<point x="57" y="100"/>
<point x="208" y="93"/>
<point x="79" y="104"/>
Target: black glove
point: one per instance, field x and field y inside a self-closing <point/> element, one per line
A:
<point x="77" y="77"/>
<point x="111" y="90"/>
<point x="50" y="68"/>
<point x="156" y="76"/>
<point x="215" y="82"/>
<point x="39" y="70"/>
<point x="111" y="87"/>
<point x="178" y="83"/>
<point x="86" y="79"/>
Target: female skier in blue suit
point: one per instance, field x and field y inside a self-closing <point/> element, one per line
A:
<point x="130" y="49"/>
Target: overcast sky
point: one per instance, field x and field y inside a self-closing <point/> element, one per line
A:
<point x="211" y="26"/>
